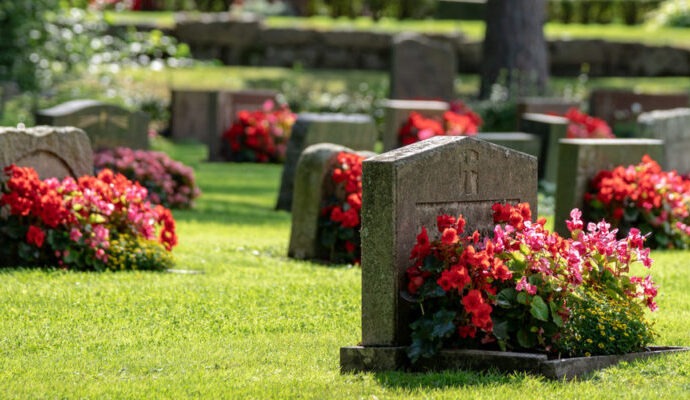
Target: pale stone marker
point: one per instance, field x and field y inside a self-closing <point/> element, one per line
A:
<point x="406" y="189"/>
<point x="107" y="125"/>
<point x="205" y="115"/>
<point x="52" y="152"/>
<point x="396" y="113"/>
<point x="356" y="131"/>
<point x="311" y="178"/>
<point x="545" y="105"/>
<point x="673" y="127"/>
<point x="523" y="142"/>
<point x="422" y="69"/>
<point x="550" y="129"/>
<point x="622" y="105"/>
<point x="582" y="159"/>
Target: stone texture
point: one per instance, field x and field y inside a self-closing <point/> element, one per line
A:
<point x="311" y="177"/>
<point x="205" y="115"/>
<point x="620" y="106"/>
<point x="545" y="105"/>
<point x="106" y="125"/>
<point x="582" y="159"/>
<point x="673" y="127"/>
<point x="422" y="69"/>
<point x="396" y="113"/>
<point x="523" y="142"/>
<point x="356" y="131"/>
<point x="406" y="189"/>
<point x="53" y="152"/>
<point x="550" y="129"/>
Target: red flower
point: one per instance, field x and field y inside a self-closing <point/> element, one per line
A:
<point x="449" y="236"/>
<point x="35" y="236"/>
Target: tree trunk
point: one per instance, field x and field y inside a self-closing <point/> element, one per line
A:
<point x="514" y="53"/>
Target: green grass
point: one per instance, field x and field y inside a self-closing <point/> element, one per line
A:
<point x="255" y="324"/>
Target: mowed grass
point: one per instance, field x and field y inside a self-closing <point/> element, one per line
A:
<point x="254" y="324"/>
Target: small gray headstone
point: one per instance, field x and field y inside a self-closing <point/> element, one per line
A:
<point x="396" y="112"/>
<point x="107" y="125"/>
<point x="550" y="129"/>
<point x="52" y="152"/>
<point x="310" y="185"/>
<point x="582" y="159"/>
<point x="356" y="131"/>
<point x="422" y="69"/>
<point x="673" y="127"/>
<point x="523" y="142"/>
<point x="408" y="188"/>
<point x="622" y="105"/>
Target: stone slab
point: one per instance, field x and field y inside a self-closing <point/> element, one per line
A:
<point x="53" y="152"/>
<point x="380" y="359"/>
<point x="523" y="142"/>
<point x="396" y="112"/>
<point x="422" y="68"/>
<point x="356" y="131"/>
<point x="107" y="125"/>
<point x="582" y="159"/>
<point x="621" y="105"/>
<point x="550" y="129"/>
<point x="406" y="189"/>
<point x="311" y="175"/>
<point x="673" y="127"/>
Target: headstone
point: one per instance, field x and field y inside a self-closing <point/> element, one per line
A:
<point x="53" y="152"/>
<point x="582" y="159"/>
<point x="550" y="129"/>
<point x="406" y="189"/>
<point x="396" y="112"/>
<point x="356" y="131"/>
<point x="107" y="125"/>
<point x="311" y="175"/>
<point x="673" y="127"/>
<point x="422" y="69"/>
<point x="205" y="115"/>
<point x="523" y="142"/>
<point x="620" y="107"/>
<point x="545" y="105"/>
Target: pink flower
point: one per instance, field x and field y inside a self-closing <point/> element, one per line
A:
<point x="526" y="286"/>
<point x="75" y="234"/>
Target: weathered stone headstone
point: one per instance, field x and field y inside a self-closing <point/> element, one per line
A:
<point x="311" y="178"/>
<point x="582" y="159"/>
<point x="53" y="152"/>
<point x="396" y="112"/>
<point x="620" y="107"/>
<point x="406" y="189"/>
<point x="545" y="105"/>
<point x="523" y="142"/>
<point x="205" y="115"/>
<point x="422" y="69"/>
<point x="356" y="131"/>
<point x="550" y="129"/>
<point x="673" y="127"/>
<point x="107" y="125"/>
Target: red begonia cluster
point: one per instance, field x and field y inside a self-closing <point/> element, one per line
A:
<point x="583" y="126"/>
<point x="458" y="121"/>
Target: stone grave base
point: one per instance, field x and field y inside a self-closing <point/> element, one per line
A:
<point x="379" y="359"/>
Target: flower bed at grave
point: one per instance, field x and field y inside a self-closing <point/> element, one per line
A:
<point x="92" y="223"/>
<point x="458" y="121"/>
<point x="527" y="289"/>
<point x="583" y="126"/>
<point x="259" y="136"/>
<point x="169" y="183"/>
<point x="339" y="220"/>
<point x="645" y="197"/>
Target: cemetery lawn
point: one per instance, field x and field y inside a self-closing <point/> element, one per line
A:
<point x="254" y="324"/>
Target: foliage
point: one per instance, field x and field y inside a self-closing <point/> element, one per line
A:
<point x="514" y="291"/>
<point x="169" y="183"/>
<point x="630" y="12"/>
<point x="599" y="324"/>
<point x="583" y="126"/>
<point x="643" y="196"/>
<point x="80" y="224"/>
<point x="259" y="136"/>
<point x="671" y="13"/>
<point x="460" y="120"/>
<point x="339" y="220"/>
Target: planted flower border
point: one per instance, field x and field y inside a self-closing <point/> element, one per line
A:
<point x="460" y="120"/>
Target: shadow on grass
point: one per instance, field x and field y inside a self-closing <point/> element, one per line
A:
<point x="446" y="379"/>
<point x="233" y="212"/>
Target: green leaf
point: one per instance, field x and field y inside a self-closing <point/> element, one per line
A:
<point x="443" y="324"/>
<point x="506" y="298"/>
<point x="501" y="329"/>
<point x="557" y="319"/>
<point x="539" y="309"/>
<point x="526" y="339"/>
<point x="522" y="298"/>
